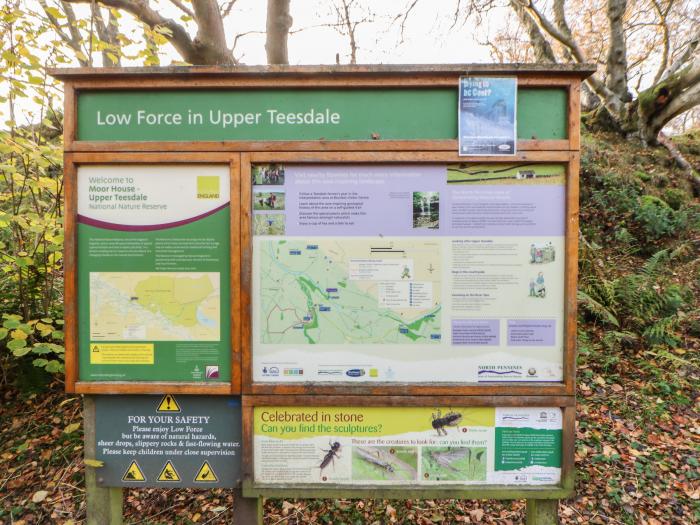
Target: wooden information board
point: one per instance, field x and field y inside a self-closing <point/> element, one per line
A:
<point x="400" y="319"/>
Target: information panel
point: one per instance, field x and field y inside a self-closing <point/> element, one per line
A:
<point x="408" y="273"/>
<point x="407" y="446"/>
<point x="153" y="276"/>
<point x="168" y="441"/>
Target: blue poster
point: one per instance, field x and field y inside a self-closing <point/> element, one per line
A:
<point x="487" y="115"/>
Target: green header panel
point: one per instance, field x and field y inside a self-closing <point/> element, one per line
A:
<point x="294" y="114"/>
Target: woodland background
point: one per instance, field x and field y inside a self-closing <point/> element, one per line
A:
<point x="638" y="430"/>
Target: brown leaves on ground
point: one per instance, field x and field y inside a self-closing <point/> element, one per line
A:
<point x="637" y="458"/>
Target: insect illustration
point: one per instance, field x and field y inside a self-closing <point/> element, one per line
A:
<point x="455" y="462"/>
<point x="446" y="458"/>
<point x="373" y="457"/>
<point x="331" y="454"/>
<point x="451" y="419"/>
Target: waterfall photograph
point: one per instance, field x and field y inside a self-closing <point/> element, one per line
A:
<point x="426" y="209"/>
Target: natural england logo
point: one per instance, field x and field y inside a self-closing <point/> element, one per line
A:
<point x="207" y="187"/>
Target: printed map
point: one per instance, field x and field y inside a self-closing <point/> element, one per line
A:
<point x="349" y="291"/>
<point x="161" y="306"/>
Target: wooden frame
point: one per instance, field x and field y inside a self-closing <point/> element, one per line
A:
<point x="73" y="383"/>
<point x="563" y="490"/>
<point x="245" y="152"/>
<point x="305" y="78"/>
<point x="567" y="387"/>
<point x="240" y="155"/>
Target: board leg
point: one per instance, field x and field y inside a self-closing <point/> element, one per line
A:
<point x="542" y="512"/>
<point x="247" y="511"/>
<point x="104" y="505"/>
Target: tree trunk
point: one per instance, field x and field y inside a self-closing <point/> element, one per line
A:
<point x="616" y="80"/>
<point x="279" y="22"/>
<point x="543" y="51"/>
<point x="210" y="42"/>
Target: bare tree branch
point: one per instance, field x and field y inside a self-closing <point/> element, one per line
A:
<point x="688" y="170"/>
<point x="182" y="7"/>
<point x="350" y="29"/>
<point x="225" y="11"/>
<point x="690" y="49"/>
<point x="559" y="12"/>
<point x="613" y="102"/>
<point x="403" y="16"/>
<point x="108" y="34"/>
<point x="73" y="40"/>
<point x="540" y="45"/>
<point x="209" y="47"/>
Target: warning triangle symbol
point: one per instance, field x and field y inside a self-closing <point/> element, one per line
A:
<point x="133" y="473"/>
<point x="168" y="404"/>
<point x="206" y="474"/>
<point x="169" y="473"/>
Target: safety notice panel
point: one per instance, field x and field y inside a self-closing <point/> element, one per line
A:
<point x="168" y="441"/>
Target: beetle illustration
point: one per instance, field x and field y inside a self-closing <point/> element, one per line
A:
<point x="451" y="419"/>
<point x="331" y="454"/>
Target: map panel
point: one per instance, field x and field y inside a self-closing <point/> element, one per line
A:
<point x="154" y="306"/>
<point x="350" y="291"/>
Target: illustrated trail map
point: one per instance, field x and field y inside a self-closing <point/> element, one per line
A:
<point x="354" y="292"/>
<point x="154" y="306"/>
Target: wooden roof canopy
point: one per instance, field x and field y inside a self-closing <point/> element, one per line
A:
<point x="581" y="71"/>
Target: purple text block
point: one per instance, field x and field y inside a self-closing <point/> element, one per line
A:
<point x="476" y="332"/>
<point x="531" y="332"/>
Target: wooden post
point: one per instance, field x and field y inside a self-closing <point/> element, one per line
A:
<point x="104" y="505"/>
<point x="247" y="511"/>
<point x="542" y="512"/>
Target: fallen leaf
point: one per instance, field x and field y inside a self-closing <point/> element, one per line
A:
<point x="609" y="451"/>
<point x="39" y="496"/>
<point x="476" y="515"/>
<point x="71" y="428"/>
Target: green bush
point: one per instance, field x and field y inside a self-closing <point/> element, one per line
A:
<point x="655" y="217"/>
<point x="40" y="339"/>
<point x="675" y="198"/>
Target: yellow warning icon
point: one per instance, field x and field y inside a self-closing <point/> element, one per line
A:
<point x="168" y="404"/>
<point x="206" y="474"/>
<point x="169" y="473"/>
<point x="133" y="473"/>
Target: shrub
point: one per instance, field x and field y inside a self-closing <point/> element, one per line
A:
<point x="41" y="339"/>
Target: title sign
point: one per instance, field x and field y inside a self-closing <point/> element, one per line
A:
<point x="288" y="114"/>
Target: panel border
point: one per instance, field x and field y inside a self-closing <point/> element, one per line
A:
<point x="563" y="490"/>
<point x="566" y="387"/>
<point x="72" y="161"/>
